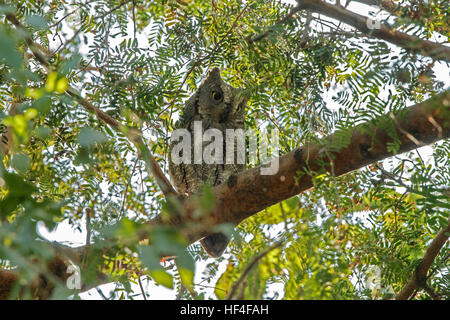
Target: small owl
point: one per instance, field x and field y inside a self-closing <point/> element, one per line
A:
<point x="215" y="105"/>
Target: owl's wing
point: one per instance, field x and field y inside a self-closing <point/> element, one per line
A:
<point x="190" y="110"/>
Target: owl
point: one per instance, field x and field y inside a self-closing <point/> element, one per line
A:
<point x="215" y="105"/>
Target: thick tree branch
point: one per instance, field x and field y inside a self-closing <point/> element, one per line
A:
<point x="250" y="192"/>
<point x="419" y="277"/>
<point x="424" y="47"/>
<point x="414" y="44"/>
<point x="388" y="5"/>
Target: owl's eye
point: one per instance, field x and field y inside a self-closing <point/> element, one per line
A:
<point x="217" y="96"/>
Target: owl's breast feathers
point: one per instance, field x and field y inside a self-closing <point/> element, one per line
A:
<point x="218" y="106"/>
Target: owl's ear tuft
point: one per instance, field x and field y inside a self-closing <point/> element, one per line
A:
<point x="214" y="74"/>
<point x="215" y="71"/>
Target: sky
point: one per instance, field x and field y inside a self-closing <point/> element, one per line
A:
<point x="65" y="234"/>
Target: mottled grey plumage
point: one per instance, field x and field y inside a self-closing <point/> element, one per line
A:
<point x="218" y="106"/>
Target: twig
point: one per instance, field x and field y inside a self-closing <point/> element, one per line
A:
<point x="428" y="48"/>
<point x="65" y="16"/>
<point x="63" y="46"/>
<point x="228" y="31"/>
<point x="434" y="50"/>
<point x="290" y="15"/>
<point x="406" y="133"/>
<point x="419" y="277"/>
<point x="244" y="200"/>
<point x="144" y="295"/>
<point x="126" y="188"/>
<point x="133" y="135"/>
<point x="304" y="34"/>
<point x="284" y="218"/>
<point x="254" y="261"/>
<point x="200" y="59"/>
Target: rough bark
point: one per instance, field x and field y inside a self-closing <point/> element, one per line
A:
<point x="250" y="192"/>
<point x="419" y="277"/>
<point x="411" y="43"/>
<point x="387" y="5"/>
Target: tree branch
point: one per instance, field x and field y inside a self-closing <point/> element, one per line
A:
<point x="133" y="135"/>
<point x="427" y="48"/>
<point x="289" y="16"/>
<point x="419" y="277"/>
<point x="388" y="5"/>
<point x="250" y="192"/>
<point x="250" y="266"/>
<point x="414" y="44"/>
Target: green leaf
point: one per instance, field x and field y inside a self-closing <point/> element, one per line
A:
<point x="21" y="162"/>
<point x="8" y="53"/>
<point x="225" y="281"/>
<point x="163" y="278"/>
<point x="6" y="9"/>
<point x="37" y="22"/>
<point x="43" y="132"/>
<point x="89" y="136"/>
<point x="168" y="241"/>
<point x="187" y="277"/>
<point x="151" y="259"/>
<point x="42" y="104"/>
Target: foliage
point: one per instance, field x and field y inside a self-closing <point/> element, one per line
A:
<point x="138" y="60"/>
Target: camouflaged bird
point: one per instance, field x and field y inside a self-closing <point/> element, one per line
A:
<point x="218" y="106"/>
